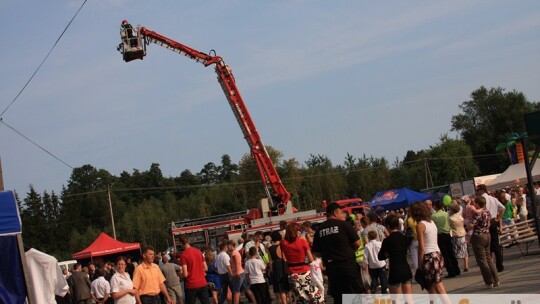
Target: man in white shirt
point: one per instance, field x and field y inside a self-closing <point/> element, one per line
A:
<point x="496" y="210"/>
<point x="223" y="268"/>
<point x="256" y="241"/>
<point x="45" y="276"/>
<point x="100" y="287"/>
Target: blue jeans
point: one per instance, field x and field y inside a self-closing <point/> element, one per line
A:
<point x="225" y="281"/>
<point x="197" y="293"/>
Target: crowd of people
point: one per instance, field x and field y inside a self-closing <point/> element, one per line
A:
<point x="358" y="253"/>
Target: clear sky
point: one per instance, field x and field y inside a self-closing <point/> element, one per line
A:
<point x="319" y="77"/>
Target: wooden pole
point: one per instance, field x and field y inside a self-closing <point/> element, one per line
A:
<point x="1" y="176"/>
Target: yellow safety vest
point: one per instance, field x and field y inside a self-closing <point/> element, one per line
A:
<point x="360" y="252"/>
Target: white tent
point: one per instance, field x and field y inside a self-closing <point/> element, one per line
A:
<point x="486" y="179"/>
<point x="511" y="175"/>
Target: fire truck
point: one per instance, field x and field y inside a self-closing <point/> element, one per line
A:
<point x="214" y="229"/>
<point x="276" y="206"/>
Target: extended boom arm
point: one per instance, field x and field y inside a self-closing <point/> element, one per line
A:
<point x="134" y="48"/>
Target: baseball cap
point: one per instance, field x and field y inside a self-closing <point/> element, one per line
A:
<point x="333" y="206"/>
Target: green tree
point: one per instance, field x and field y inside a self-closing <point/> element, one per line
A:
<point x="251" y="188"/>
<point x="85" y="202"/>
<point x="186" y="183"/>
<point x="78" y="241"/>
<point x="487" y="118"/>
<point x="209" y="174"/>
<point x="411" y="171"/>
<point x="291" y="174"/>
<point x="365" y="175"/>
<point x="351" y="168"/>
<point x="321" y="182"/>
<point x="381" y="174"/>
<point x="51" y="211"/>
<point x="33" y="219"/>
<point x="148" y="224"/>
<point x="450" y="161"/>
<point x="228" y="170"/>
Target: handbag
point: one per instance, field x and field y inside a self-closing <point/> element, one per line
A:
<point x="420" y="279"/>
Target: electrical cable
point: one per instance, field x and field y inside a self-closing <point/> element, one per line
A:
<point x="35" y="144"/>
<point x="43" y="61"/>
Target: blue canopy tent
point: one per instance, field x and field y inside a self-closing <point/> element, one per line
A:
<point x="12" y="278"/>
<point x="437" y="196"/>
<point x="396" y="199"/>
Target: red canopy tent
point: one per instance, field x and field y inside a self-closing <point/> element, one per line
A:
<point x="105" y="245"/>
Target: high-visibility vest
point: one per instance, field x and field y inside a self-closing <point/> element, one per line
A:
<point x="360" y="252"/>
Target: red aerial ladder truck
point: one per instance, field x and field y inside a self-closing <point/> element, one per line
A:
<point x="211" y="230"/>
<point x="133" y="46"/>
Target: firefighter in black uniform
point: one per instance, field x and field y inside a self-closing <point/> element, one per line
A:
<point x="336" y="241"/>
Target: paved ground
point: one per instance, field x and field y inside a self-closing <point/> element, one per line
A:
<point x="520" y="275"/>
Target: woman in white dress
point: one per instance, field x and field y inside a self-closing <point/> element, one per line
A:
<point x="121" y="284"/>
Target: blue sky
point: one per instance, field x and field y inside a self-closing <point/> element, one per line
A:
<point x="319" y="77"/>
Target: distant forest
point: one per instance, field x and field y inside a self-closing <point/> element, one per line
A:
<point x="145" y="202"/>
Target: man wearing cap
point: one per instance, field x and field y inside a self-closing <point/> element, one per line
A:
<point x="336" y="242"/>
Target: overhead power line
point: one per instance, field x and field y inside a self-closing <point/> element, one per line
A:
<point x="242" y="183"/>
<point x="34" y="143"/>
<point x="43" y="61"/>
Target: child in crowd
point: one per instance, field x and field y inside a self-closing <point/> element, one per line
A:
<point x="316" y="274"/>
<point x="377" y="268"/>
<point x="212" y="277"/>
<point x="255" y="274"/>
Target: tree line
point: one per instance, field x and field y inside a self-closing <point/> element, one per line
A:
<point x="146" y="202"/>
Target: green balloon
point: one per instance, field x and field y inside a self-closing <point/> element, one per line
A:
<point x="447" y="200"/>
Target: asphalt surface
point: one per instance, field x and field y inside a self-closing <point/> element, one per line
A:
<point x="520" y="275"/>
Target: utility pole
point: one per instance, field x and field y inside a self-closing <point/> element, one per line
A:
<point x="110" y="207"/>
<point x="1" y="176"/>
<point x="428" y="173"/>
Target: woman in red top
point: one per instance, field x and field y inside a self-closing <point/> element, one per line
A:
<point x="297" y="253"/>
